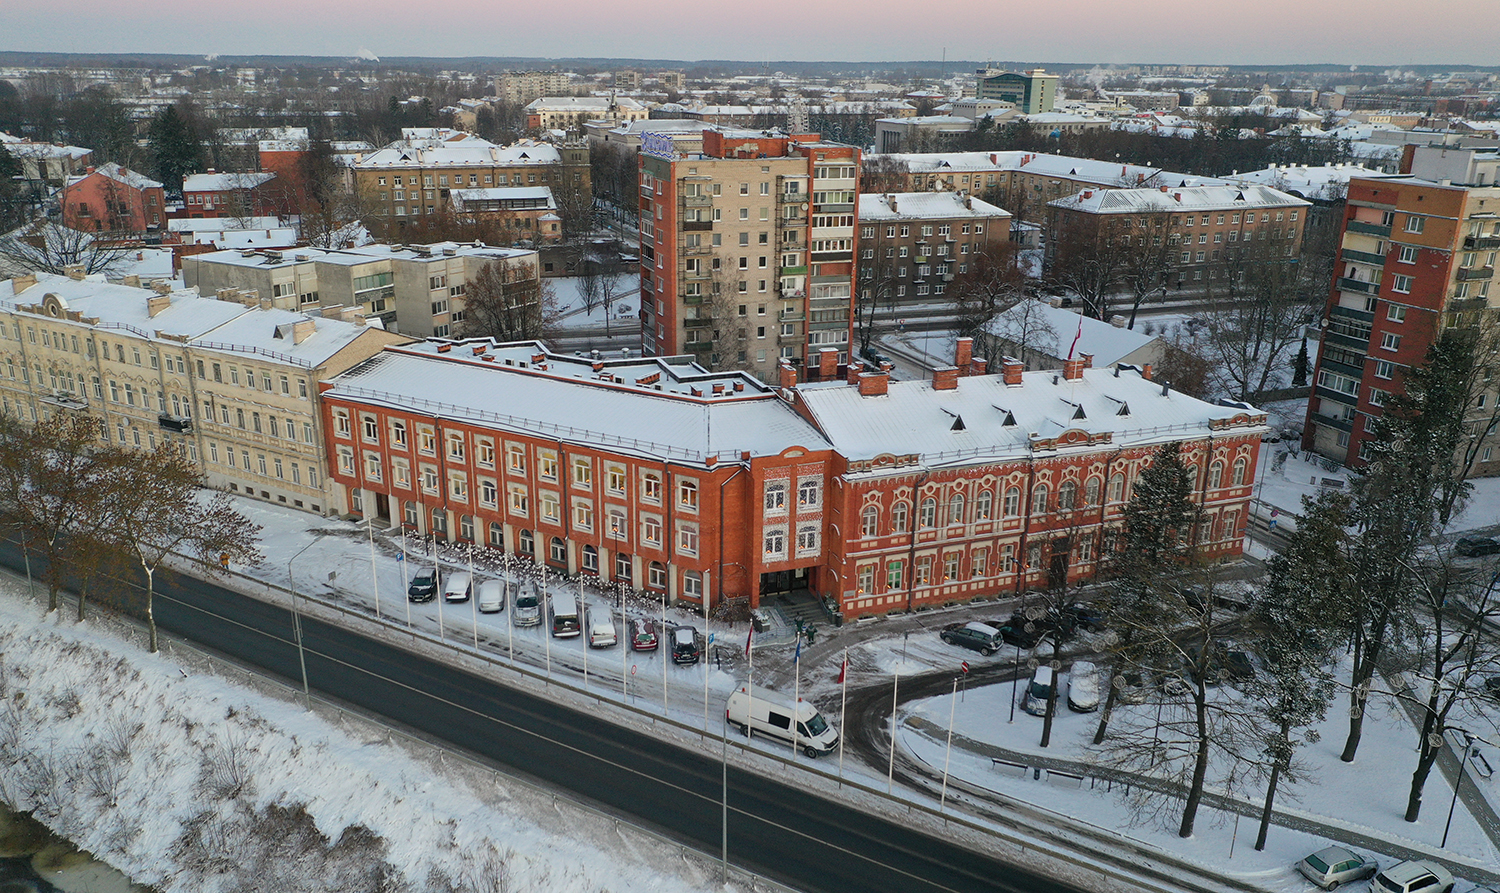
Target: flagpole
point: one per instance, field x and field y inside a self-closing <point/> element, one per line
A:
<point x="439" y="596"/>
<point x="664" y="647"/>
<point x="473" y="593"/>
<point x="587" y="636"/>
<point x="948" y="753"/>
<point x="546" y="621"/>
<point x="404" y="584"/>
<point x="708" y="639"/>
<point x="796" y="692"/>
<point x="510" y="614"/>
<point x="374" y="580"/>
<point x="843" y="708"/>
<point x="890" y="772"/>
<point x="624" y="650"/>
<point x="750" y="678"/>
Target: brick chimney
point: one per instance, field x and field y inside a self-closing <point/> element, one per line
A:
<point x="156" y="304"/>
<point x="21" y="283"/>
<point x="1146" y="371"/>
<point x="852" y="373"/>
<point x="945" y="378"/>
<point x="963" y="352"/>
<point x="788" y="375"/>
<point x="1012" y="368"/>
<point x="828" y="363"/>
<point x="979" y="366"/>
<point x="887" y="366"/>
<point x="74" y="271"/>
<point x="1073" y="369"/>
<point x="873" y="384"/>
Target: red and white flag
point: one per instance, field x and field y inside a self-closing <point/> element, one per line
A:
<point x="1074" y="346"/>
<point x="843" y="668"/>
<point x="747" y="640"/>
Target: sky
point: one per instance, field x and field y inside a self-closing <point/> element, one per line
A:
<point x="1380" y="33"/>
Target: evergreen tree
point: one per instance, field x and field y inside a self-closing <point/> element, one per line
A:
<point x="175" y="149"/>
<point x="1299" y="366"/>
<point x="1159" y="515"/>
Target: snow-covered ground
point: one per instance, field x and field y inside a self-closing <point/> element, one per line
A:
<point x="624" y="307"/>
<point x="186" y="780"/>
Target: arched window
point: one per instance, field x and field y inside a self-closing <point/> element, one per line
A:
<point x="1067" y="496"/>
<point x="1012" y="502"/>
<point x="1117" y="488"/>
<point x="982" y="505"/>
<point x="1240" y="467"/>
<point x="497" y="535"/>
<point x="899" y="513"/>
<point x="956" y="509"/>
<point x="466" y="528"/>
<point x="591" y="559"/>
<point x="624" y="569"/>
<point x="1216" y="475"/>
<point x="928" y="517"/>
<point x="656" y="575"/>
<point x="1091" y="492"/>
<point x="1039" y="500"/>
<point x="870" y="521"/>
<point x="439" y="522"/>
<point x="527" y="543"/>
<point x="410" y="514"/>
<point x="557" y="551"/>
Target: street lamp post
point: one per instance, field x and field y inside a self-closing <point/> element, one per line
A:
<point x="291" y="586"/>
<point x="1453" y="804"/>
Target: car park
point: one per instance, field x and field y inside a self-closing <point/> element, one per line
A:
<point x="976" y="636"/>
<point x="1334" y="866"/>
<point x="491" y="597"/>
<point x="643" y="634"/>
<point x="1476" y="546"/>
<point x="424" y="585"/>
<point x="1083" y="687"/>
<point x="1414" y="876"/>
<point x="684" y="645"/>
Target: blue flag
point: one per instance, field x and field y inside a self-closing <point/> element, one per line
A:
<point x="798" y="656"/>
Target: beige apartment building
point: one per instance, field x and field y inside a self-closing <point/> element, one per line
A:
<point x="234" y="384"/>
<point x="417" y="290"/>
<point x="521" y="87"/>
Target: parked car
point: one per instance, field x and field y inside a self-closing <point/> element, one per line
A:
<point x="1083" y="687"/>
<point x="1019" y="632"/>
<point x="769" y="713"/>
<point x="684" y="645"/>
<point x="1414" y="876"/>
<point x="601" y="627"/>
<point x="1085" y="617"/>
<point x="1475" y="546"/>
<point x="1039" y="691"/>
<point x="643" y="634"/>
<point x="424" y="585"/>
<point x="457" y="587"/>
<point x="976" y="636"/>
<point x="491" y="597"/>
<point x="528" y="609"/>
<point x="1237" y="664"/>
<point x="1492" y="686"/>
<point x="1332" y="866"/>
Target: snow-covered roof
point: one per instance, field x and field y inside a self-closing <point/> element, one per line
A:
<point x="225" y="182"/>
<point x="584" y="104"/>
<point x="463" y="153"/>
<point x="504" y="193"/>
<point x="119" y="174"/>
<point x="647" y="405"/>
<point x="1106" y="343"/>
<point x="984" y="419"/>
<point x="25" y="149"/>
<point x="931" y="121"/>
<point x="215" y="224"/>
<point x="1326" y="181"/>
<point x="875" y="207"/>
<point x="1185" y="198"/>
<point x="269" y="331"/>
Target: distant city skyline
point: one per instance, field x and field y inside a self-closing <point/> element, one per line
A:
<point x="1373" y="33"/>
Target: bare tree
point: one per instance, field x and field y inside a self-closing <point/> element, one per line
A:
<point x="884" y="173"/>
<point x="723" y="312"/>
<point x="160" y="510"/>
<point x="507" y="302"/>
<point x="1261" y="312"/>
<point x="1087" y="256"/>
<point x="993" y="286"/>
<point x="1149" y="257"/>
<point x="50" y="248"/>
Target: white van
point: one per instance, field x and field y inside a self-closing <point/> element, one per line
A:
<point x="601" y="628"/>
<point x="771" y="713"/>
<point x="456" y="587"/>
<point x="528" y="609"/>
<point x="565" y="617"/>
<point x="491" y="597"/>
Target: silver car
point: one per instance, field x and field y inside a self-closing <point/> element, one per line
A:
<point x="1330" y="867"/>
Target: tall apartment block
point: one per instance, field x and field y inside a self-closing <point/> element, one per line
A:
<point x="1418" y="257"/>
<point x="747" y="250"/>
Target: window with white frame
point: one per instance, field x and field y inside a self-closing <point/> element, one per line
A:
<point x="807" y="540"/>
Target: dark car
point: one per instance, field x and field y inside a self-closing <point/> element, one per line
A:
<point x="1237" y="664"/>
<point x="979" y="637"/>
<point x="1021" y="633"/>
<point x="424" y="585"/>
<point x="1085" y="617"/>
<point x="642" y="634"/>
<point x="1475" y="546"/>
<point x="684" y="645"/>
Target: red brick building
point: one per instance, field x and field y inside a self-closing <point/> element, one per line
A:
<point x="710" y="487"/>
<point x="236" y="194"/>
<point x="113" y="199"/>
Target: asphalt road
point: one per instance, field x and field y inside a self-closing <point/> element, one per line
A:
<point x="775" y="828"/>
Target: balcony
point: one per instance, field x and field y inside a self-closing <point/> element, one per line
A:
<point x="692" y="300"/>
<point x="1365" y="288"/>
<point x="791" y="198"/>
<point x="799" y="221"/>
<point x="173" y="423"/>
<point x="697" y="251"/>
<point x="1469" y="274"/>
<point x="835" y="209"/>
<point x="697" y="226"/>
<point x="1333" y="422"/>
<point x="1364" y="257"/>
<point x="794" y="271"/>
<point x="1382" y="230"/>
<point x="791" y="315"/>
<point x="1482" y="243"/>
<point x="697" y="201"/>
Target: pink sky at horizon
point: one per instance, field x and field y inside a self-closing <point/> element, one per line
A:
<point x="1381" y="33"/>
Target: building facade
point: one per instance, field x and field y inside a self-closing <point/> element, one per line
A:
<point x="713" y="488"/>
<point x="747" y="249"/>
<point x="247" y="194"/>
<point x="521" y="87"/>
<point x="418" y="290"/>
<point x="235" y="385"/>
<point x="570" y="112"/>
<point x="1032" y="92"/>
<point x="913" y="244"/>
<point x="113" y="199"/>
<point x="1417" y="257"/>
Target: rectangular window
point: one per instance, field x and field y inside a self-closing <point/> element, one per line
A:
<point x="1415" y="223"/>
<point x="1401" y="284"/>
<point x="687" y="538"/>
<point x="687" y="494"/>
<point x="583" y="473"/>
<point x="1408" y="254"/>
<point x="547" y="465"/>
